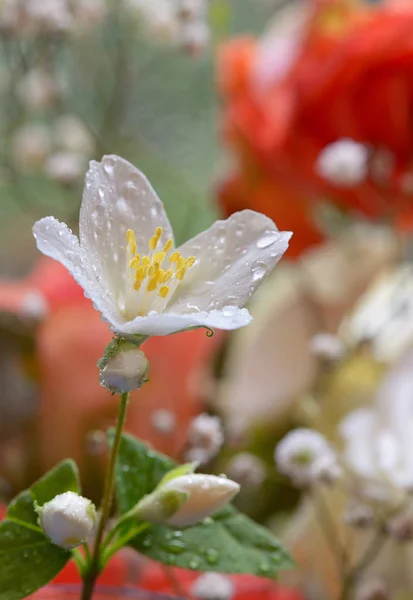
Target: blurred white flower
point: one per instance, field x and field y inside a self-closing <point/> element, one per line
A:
<point x="247" y="470"/>
<point x="327" y="346"/>
<point x="186" y="499"/>
<point x="71" y="135"/>
<point x="377" y="440"/>
<point x="34" y="306"/>
<point x="163" y="420"/>
<point x="300" y="453"/>
<point x="205" y="438"/>
<point x="89" y="12"/>
<point x="65" y="167"/>
<point x="194" y="36"/>
<point x="343" y="163"/>
<point x="126" y="261"/>
<point x="31" y="144"/>
<point x="48" y="15"/>
<point x="159" y="18"/>
<point x="10" y="15"/>
<point x="213" y="586"/>
<point x="37" y="89"/>
<point x="384" y="316"/>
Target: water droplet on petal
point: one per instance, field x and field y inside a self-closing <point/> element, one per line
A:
<point x="174" y="547"/>
<point x="122" y="206"/>
<point x="267" y="239"/>
<point x="259" y="270"/>
<point x="109" y="167"/>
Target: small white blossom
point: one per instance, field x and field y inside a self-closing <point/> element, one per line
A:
<point x="205" y="438"/>
<point x="187" y="499"/>
<point x="163" y="420"/>
<point x="71" y="135"/>
<point x="68" y="520"/>
<point x="343" y="163"/>
<point x="34" y="306"/>
<point x="300" y="452"/>
<point x="248" y="470"/>
<point x="194" y="36"/>
<point x="126" y="262"/>
<point x="37" y="89"/>
<point x="213" y="586"/>
<point x="64" y="167"/>
<point x="31" y="145"/>
<point x="48" y="15"/>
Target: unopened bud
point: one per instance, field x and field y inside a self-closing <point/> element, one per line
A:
<point x="186" y="499"/>
<point x="126" y="371"/>
<point x="68" y="520"/>
<point x="213" y="586"/>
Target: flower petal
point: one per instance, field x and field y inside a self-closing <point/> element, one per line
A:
<point x="233" y="257"/>
<point x="55" y="239"/>
<point x="230" y="317"/>
<point x="118" y="197"/>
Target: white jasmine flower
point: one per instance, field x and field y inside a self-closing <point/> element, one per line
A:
<point x="205" y="438"/>
<point x="126" y="262"/>
<point x="343" y="163"/>
<point x="300" y="452"/>
<point x="64" y="167"/>
<point x="186" y="499"/>
<point x="213" y="586"/>
<point x="68" y="520"/>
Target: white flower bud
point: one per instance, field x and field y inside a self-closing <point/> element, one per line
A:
<point x="125" y="372"/>
<point x="187" y="499"/>
<point x="68" y="520"/>
<point x="343" y="163"/>
<point x="213" y="586"/>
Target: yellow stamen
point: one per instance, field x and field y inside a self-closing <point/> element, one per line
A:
<point x="137" y="285"/>
<point x="164" y="291"/>
<point x="131" y="241"/>
<point x="158" y="232"/>
<point x="146" y="261"/>
<point x="168" y="246"/>
<point x="159" y="257"/>
<point x="181" y="274"/>
<point x="153" y="283"/>
<point x="167" y="275"/>
<point x="174" y="257"/>
<point x="180" y="263"/>
<point x="190" y="261"/>
<point x="135" y="262"/>
<point x="153" y="242"/>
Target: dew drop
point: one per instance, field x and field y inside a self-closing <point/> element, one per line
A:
<point x="147" y="542"/>
<point x="258" y="270"/>
<point x="174" y="547"/>
<point x="267" y="239"/>
<point x="194" y="563"/>
<point x="122" y="206"/>
<point x="109" y="167"/>
<point x="101" y="192"/>
<point x="264" y="568"/>
<point x="212" y="556"/>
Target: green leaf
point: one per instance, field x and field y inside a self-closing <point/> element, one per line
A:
<point x="229" y="542"/>
<point x="63" y="478"/>
<point x="28" y="559"/>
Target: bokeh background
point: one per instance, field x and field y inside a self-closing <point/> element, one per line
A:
<point x="298" y="109"/>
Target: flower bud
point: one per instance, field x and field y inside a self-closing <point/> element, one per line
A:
<point x="126" y="371"/>
<point x="68" y="520"/>
<point x="186" y="499"/>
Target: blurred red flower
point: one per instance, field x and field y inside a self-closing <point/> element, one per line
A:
<point x="345" y="73"/>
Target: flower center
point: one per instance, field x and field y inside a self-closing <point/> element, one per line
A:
<point x="156" y="275"/>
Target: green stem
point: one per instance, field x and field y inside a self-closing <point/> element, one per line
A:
<point x="94" y="567"/>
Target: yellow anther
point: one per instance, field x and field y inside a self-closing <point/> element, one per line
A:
<point x="153" y="242"/>
<point x="146" y="261"/>
<point x="141" y="273"/>
<point x="153" y="283"/>
<point x="181" y="274"/>
<point x="167" y="275"/>
<point x="174" y="257"/>
<point x="164" y="291"/>
<point x="153" y="269"/>
<point x="158" y="232"/>
<point x="131" y="241"/>
<point x="168" y="246"/>
<point x="190" y="261"/>
<point x="158" y="257"/>
<point x="135" y="262"/>
<point x="137" y="285"/>
<point x="180" y="263"/>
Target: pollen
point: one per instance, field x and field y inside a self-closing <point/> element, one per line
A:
<point x="151" y="272"/>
